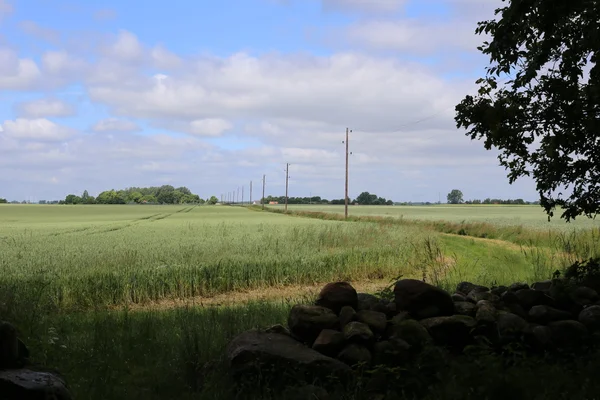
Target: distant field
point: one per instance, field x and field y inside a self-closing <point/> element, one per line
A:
<point x="532" y="217"/>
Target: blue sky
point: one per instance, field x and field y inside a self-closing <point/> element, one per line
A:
<point x="212" y="95"/>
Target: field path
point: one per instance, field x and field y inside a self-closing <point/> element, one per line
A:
<point x="241" y="297"/>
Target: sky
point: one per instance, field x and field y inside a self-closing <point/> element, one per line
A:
<point x="212" y="95"/>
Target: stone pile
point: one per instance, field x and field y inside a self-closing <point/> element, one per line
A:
<point x="18" y="380"/>
<point x="344" y="329"/>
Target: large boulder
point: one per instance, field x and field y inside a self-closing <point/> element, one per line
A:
<point x="510" y="326"/>
<point x="306" y="322"/>
<point x="253" y="353"/>
<point x="25" y="384"/>
<point x="546" y="314"/>
<point x="9" y="346"/>
<point x="528" y="298"/>
<point x="412" y="332"/>
<point x="377" y="321"/>
<point x="336" y="295"/>
<point x="329" y="342"/>
<point x="358" y="332"/>
<point x="453" y="331"/>
<point x="354" y="354"/>
<point x="422" y="300"/>
<point x="590" y="317"/>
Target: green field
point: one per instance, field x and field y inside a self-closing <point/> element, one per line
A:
<point x="72" y="276"/>
<point x="528" y="216"/>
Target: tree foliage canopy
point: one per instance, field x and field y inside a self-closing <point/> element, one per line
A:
<point x="455" y="197"/>
<point x="545" y="119"/>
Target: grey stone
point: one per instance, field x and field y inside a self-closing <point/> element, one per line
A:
<point x="542" y="286"/>
<point x="486" y="312"/>
<point x="347" y="314"/>
<point x="467" y="287"/>
<point x="476" y="297"/>
<point x="393" y="352"/>
<point x="25" y="384"/>
<point x="590" y="317"/>
<point x="278" y="329"/>
<point x="354" y="354"/>
<point x="254" y="352"/>
<point x="529" y="298"/>
<point x="499" y="290"/>
<point x="9" y="346"/>
<point x="336" y="295"/>
<point x="510" y="326"/>
<point x="584" y="296"/>
<point x="412" y="332"/>
<point x="329" y="342"/>
<point x="568" y="333"/>
<point x="515" y="287"/>
<point x="457" y="297"/>
<point x="421" y="299"/>
<point x="306" y="322"/>
<point x="546" y="314"/>
<point x="452" y="330"/>
<point x="377" y="321"/>
<point x="358" y="332"/>
<point x="367" y="301"/>
<point x="465" y="308"/>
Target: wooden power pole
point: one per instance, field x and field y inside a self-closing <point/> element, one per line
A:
<point x="346" y="185"/>
<point x="262" y="200"/>
<point x="250" y="202"/>
<point x="242" y="195"/>
<point x="287" y="176"/>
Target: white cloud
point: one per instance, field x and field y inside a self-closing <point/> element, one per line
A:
<point x="126" y="47"/>
<point x="44" y="108"/>
<point x="363" y="5"/>
<point x="40" y="32"/>
<point x="5" y="9"/>
<point x="36" y="129"/>
<point x="17" y="73"/>
<point x="115" y="125"/>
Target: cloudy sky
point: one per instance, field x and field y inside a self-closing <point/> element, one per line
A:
<point x="213" y="94"/>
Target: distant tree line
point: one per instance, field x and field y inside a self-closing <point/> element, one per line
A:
<point x="165" y="194"/>
<point x="365" y="198"/>
<point x="3" y="201"/>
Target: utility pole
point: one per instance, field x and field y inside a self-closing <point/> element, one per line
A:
<point x="287" y="176"/>
<point x="242" y="195"/>
<point x="262" y="200"/>
<point x="237" y="196"/>
<point x="346" y="186"/>
<point x="250" y="202"/>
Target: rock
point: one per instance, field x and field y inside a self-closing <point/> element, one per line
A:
<point x="347" y="314"/>
<point x="422" y="300"/>
<point x="465" y="308"/>
<point x="358" y="332"/>
<point x="510" y="326"/>
<point x="306" y="322"/>
<point x="336" y="295"/>
<point x="528" y="298"/>
<point x="367" y="301"/>
<point x="546" y="314"/>
<point x="539" y="337"/>
<point x="509" y="298"/>
<point x="568" y="333"/>
<point x="543" y="286"/>
<point x="515" y="308"/>
<point x="24" y="384"/>
<point x="377" y="321"/>
<point x="486" y="312"/>
<point x="311" y="392"/>
<point x="457" y="298"/>
<point x="278" y="329"/>
<point x="9" y="346"/>
<point x="590" y="317"/>
<point x="499" y="291"/>
<point x="476" y="297"/>
<point x="515" y="287"/>
<point x="584" y="296"/>
<point x="254" y="353"/>
<point x="329" y="342"/>
<point x="354" y="354"/>
<point x="450" y="331"/>
<point x="393" y="352"/>
<point x="412" y="332"/>
<point x="390" y="309"/>
<point x="467" y="287"/>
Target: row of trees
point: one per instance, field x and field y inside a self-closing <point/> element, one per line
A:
<point x="165" y="194"/>
<point x="365" y="198"/>
<point x="3" y="201"/>
<point x="456" y="197"/>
